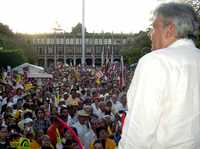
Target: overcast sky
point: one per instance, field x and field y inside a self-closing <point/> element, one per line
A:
<point x="35" y="16"/>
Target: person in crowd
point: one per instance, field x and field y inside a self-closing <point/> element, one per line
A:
<point x="123" y="100"/>
<point x="82" y="125"/>
<point x="27" y="104"/>
<point x="90" y="136"/>
<point x="95" y="105"/>
<point x="55" y="132"/>
<point x="102" y="134"/>
<point x="72" y="110"/>
<point x="3" y="136"/>
<point x="64" y="115"/>
<point x="73" y="96"/>
<point x="46" y="142"/>
<point x="163" y="98"/>
<point x="40" y="123"/>
<point x="99" y="144"/>
<point x="116" y="105"/>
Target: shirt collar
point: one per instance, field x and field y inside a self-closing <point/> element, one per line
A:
<point x="182" y="42"/>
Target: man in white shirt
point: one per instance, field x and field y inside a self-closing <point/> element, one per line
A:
<point x="82" y="125"/>
<point x="116" y="105"/>
<point x="90" y="136"/>
<point x="164" y="95"/>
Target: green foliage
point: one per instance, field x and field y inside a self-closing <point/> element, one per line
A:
<point x="139" y="46"/>
<point x="12" y="57"/>
<point x="195" y="4"/>
<point x="11" y="52"/>
<point x="24" y="42"/>
<point x="131" y="55"/>
<point x="6" y="37"/>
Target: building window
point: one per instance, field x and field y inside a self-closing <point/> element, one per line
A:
<point x="96" y="42"/>
<point x="98" y="49"/>
<point x="57" y="40"/>
<point x="88" y="50"/>
<point x="52" y="41"/>
<point x="40" y="51"/>
<point x="48" y="41"/>
<point x="34" y="41"/>
<point x="50" y="50"/>
<point x="87" y="41"/>
<point x="109" y="41"/>
<point x="69" y="51"/>
<point x="77" y="41"/>
<point x="61" y="40"/>
<point x="67" y="41"/>
<point x="42" y="41"/>
<point x="105" y="41"/>
<point x="38" y="41"/>
<point x="78" y="50"/>
<point x="118" y="41"/>
<point x="91" y="41"/>
<point x="100" y="41"/>
<point x="124" y="41"/>
<point x="60" y="50"/>
<point x="71" y="41"/>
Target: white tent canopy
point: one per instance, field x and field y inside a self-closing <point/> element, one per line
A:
<point x="33" y="71"/>
<point x="40" y="75"/>
<point x="31" y="68"/>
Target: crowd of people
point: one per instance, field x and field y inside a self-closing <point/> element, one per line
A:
<point x="79" y="108"/>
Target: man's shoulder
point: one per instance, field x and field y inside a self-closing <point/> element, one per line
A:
<point x="152" y="56"/>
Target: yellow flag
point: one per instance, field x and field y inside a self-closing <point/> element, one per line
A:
<point x="28" y="86"/>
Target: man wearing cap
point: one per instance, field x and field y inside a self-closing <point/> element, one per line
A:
<point x="72" y="110"/>
<point x="82" y="126"/>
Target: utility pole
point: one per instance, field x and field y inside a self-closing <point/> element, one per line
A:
<point x="83" y="33"/>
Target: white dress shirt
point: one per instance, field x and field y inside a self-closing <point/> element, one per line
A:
<point x="164" y="100"/>
<point x="81" y="130"/>
<point x="89" y="138"/>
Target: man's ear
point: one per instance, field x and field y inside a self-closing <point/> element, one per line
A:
<point x="171" y="31"/>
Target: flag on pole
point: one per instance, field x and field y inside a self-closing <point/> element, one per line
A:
<point x="112" y="55"/>
<point x="102" y="56"/>
<point x="122" y="79"/>
<point x="93" y="58"/>
<point x="107" y="65"/>
<point x="99" y="74"/>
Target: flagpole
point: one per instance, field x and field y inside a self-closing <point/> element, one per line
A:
<point x="83" y="33"/>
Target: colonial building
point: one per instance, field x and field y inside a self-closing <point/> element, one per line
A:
<point x="67" y="47"/>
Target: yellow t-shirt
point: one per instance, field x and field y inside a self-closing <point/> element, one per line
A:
<point x="110" y="144"/>
<point x="34" y="144"/>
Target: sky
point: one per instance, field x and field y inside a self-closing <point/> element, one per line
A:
<point x="40" y="16"/>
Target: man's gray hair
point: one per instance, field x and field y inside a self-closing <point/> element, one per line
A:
<point x="183" y="17"/>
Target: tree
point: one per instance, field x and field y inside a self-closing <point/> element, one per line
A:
<point x="12" y="57"/>
<point x="24" y="42"/>
<point x="195" y="4"/>
<point x="131" y="55"/>
<point x="11" y="52"/>
<point x="139" y="46"/>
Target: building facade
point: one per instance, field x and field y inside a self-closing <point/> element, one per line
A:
<point x="51" y="48"/>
